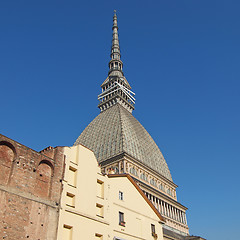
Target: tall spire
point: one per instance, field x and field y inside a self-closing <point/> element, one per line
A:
<point x="116" y="89"/>
<point x="115" y="64"/>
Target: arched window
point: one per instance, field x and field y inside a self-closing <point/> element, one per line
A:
<point x="113" y="170"/>
<point x="43" y="179"/>
<point x="169" y="191"/>
<point x="161" y="187"/>
<point x="7" y="155"/>
<point x="153" y="182"/>
<point x="133" y="171"/>
<point x="144" y="177"/>
<point x="116" y="170"/>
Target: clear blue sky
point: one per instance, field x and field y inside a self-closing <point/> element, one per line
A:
<point x="182" y="59"/>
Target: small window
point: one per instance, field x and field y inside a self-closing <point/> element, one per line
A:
<point x="99" y="210"/>
<point x="121" y="219"/>
<point x="120" y="195"/>
<point x="153" y="231"/>
<point x="100" y="189"/>
<point x="153" y="228"/>
<point x="98" y="236"/>
<point x="72" y="176"/>
<point x="67" y="232"/>
<point x="70" y="200"/>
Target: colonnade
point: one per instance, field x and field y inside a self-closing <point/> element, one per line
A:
<point x="167" y="209"/>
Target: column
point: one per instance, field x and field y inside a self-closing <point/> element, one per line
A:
<point x="154" y="201"/>
<point x="185" y="218"/>
<point x="181" y="219"/>
<point x="160" y="203"/>
<point x="124" y="166"/>
<point x="119" y="167"/>
<point x="157" y="204"/>
<point x="174" y="213"/>
<point x="162" y="207"/>
<point x="164" y="211"/>
<point x="177" y="215"/>
<point x="168" y="211"/>
<point x="180" y="216"/>
<point x="167" y="214"/>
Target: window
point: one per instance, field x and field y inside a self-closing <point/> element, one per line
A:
<point x="98" y="236"/>
<point x="116" y="170"/>
<point x="153" y="228"/>
<point x="169" y="191"/>
<point x="153" y="231"/>
<point x="72" y="176"/>
<point x="143" y="177"/>
<point x="120" y="195"/>
<point x="70" y="200"/>
<point x="67" y="232"/>
<point x="161" y="186"/>
<point x="153" y="182"/>
<point x="100" y="189"/>
<point x="99" y="210"/>
<point x="133" y="171"/>
<point x="121" y="219"/>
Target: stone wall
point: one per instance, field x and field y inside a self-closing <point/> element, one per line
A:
<point x="30" y="191"/>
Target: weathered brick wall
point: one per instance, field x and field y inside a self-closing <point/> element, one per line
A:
<point x="30" y="190"/>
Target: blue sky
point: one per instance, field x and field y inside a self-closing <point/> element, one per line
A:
<point x="180" y="57"/>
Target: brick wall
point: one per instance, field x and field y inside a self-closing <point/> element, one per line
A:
<point x="30" y="190"/>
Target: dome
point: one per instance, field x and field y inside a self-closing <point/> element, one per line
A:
<point x="116" y="131"/>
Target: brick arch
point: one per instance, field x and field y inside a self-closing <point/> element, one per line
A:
<point x="44" y="175"/>
<point x="7" y="156"/>
<point x="48" y="163"/>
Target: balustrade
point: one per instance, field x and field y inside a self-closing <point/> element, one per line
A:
<point x="166" y="209"/>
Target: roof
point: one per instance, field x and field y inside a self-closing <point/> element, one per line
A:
<point x="141" y="193"/>
<point x="168" y="234"/>
<point x="116" y="131"/>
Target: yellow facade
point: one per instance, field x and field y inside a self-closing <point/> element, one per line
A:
<point x="97" y="206"/>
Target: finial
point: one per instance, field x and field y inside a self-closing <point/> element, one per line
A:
<point x="115" y="11"/>
<point x="116" y="89"/>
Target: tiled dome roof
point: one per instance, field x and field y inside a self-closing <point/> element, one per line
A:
<point x="115" y="131"/>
